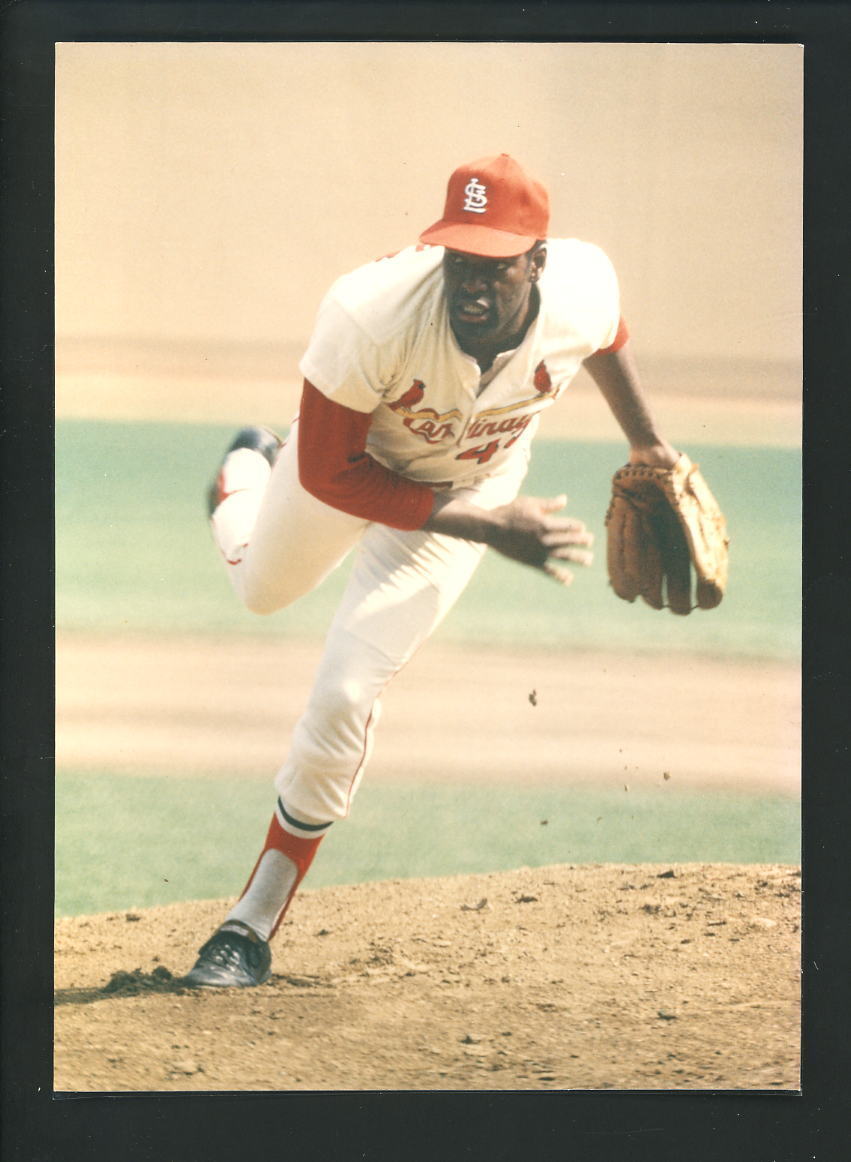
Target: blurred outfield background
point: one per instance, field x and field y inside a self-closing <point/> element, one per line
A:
<point x="208" y="194"/>
<point x="131" y="569"/>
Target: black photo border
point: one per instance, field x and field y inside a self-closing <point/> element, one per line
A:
<point x="751" y="1127"/>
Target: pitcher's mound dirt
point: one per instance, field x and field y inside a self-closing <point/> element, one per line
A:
<point x="590" y="977"/>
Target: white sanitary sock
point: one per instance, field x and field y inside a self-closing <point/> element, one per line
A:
<point x="267" y="894"/>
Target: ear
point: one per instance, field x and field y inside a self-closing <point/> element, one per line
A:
<point x="537" y="262"/>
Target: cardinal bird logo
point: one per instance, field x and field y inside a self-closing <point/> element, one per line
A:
<point x="542" y="379"/>
<point x="411" y="398"/>
<point x="429" y="425"/>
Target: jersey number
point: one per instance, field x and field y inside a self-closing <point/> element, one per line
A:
<point x="481" y="455"/>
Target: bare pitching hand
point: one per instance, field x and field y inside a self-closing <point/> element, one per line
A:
<point x="527" y="531"/>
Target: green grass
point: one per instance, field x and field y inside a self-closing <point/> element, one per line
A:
<point x="125" y="842"/>
<point x="134" y="553"/>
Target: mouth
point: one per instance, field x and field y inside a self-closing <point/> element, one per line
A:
<point x="474" y="312"/>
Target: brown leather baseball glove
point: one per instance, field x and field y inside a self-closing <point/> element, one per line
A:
<point x="661" y="524"/>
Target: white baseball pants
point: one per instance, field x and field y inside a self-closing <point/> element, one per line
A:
<point x="280" y="542"/>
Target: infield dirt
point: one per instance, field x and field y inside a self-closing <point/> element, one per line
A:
<point x="560" y="977"/>
<point x="592" y="977"/>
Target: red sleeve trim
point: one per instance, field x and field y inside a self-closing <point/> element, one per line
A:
<point x="334" y="466"/>
<point x="620" y="338"/>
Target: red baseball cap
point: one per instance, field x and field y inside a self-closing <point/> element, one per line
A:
<point x="493" y="208"/>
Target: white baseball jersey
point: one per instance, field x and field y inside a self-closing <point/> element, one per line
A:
<point x="383" y="344"/>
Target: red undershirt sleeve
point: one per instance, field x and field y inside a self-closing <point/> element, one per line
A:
<point x="334" y="466"/>
<point x="619" y="340"/>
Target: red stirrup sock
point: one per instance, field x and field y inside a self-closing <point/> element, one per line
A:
<point x="282" y="865"/>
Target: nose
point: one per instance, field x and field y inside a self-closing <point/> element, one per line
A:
<point x="473" y="281"/>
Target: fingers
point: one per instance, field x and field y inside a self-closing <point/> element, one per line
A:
<point x="543" y="506"/>
<point x="529" y="534"/>
<point x="577" y="556"/>
<point x="562" y="540"/>
<point x="563" y="576"/>
<point x="568" y="533"/>
<point x="558" y="572"/>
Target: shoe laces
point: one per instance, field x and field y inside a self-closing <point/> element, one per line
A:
<point x="230" y="949"/>
<point x="225" y="952"/>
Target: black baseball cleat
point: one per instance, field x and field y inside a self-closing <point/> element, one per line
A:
<point x="232" y="958"/>
<point x="262" y="440"/>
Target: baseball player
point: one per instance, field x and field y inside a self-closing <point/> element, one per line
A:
<point x="424" y="381"/>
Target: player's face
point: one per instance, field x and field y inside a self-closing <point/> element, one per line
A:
<point x="489" y="298"/>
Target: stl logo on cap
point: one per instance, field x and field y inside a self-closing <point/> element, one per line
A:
<point x="476" y="198"/>
<point x="492" y="208"/>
